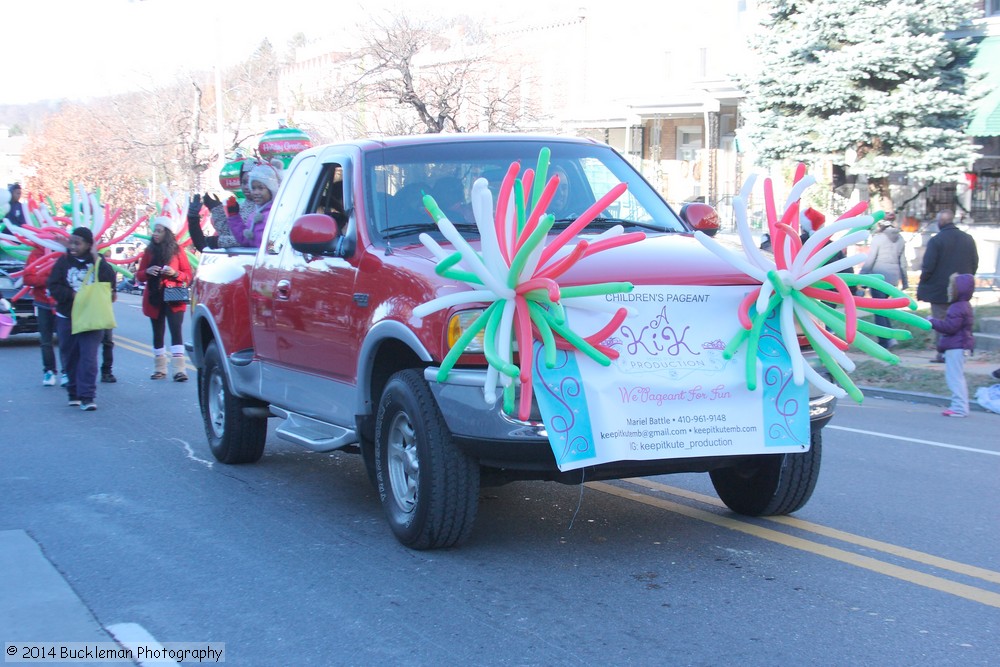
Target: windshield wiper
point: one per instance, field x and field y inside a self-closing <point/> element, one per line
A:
<point x="416" y="228"/>
<point x="562" y="223"/>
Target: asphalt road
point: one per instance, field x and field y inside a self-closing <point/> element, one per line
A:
<point x="895" y="560"/>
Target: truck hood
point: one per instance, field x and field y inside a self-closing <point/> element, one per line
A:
<point x="663" y="259"/>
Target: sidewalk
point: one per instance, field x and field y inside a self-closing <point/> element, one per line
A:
<point x="36" y="602"/>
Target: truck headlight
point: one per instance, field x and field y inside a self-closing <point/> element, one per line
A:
<point x="459" y="324"/>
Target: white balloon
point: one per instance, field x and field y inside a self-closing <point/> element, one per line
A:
<point x="432" y="245"/>
<point x="503" y="338"/>
<point x="482" y="207"/>
<point x="812" y="328"/>
<point x="753" y="253"/>
<point x="787" y="318"/>
<point x="737" y="261"/>
<point x="804" y="264"/>
<point x="823" y="384"/>
<point x="827" y="270"/>
<point x="472" y="260"/>
<point x="795" y="193"/>
<point x="448" y="300"/>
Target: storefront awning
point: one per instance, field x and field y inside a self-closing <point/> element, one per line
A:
<point x="986" y="117"/>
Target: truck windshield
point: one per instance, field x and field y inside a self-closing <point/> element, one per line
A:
<point x="402" y="175"/>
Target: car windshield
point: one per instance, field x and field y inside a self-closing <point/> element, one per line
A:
<point x="402" y="175"/>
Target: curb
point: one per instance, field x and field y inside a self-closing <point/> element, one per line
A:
<point x="918" y="397"/>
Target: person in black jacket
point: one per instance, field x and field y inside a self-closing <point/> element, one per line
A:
<point x="16" y="213"/>
<point x="949" y="251"/>
<point x="78" y="351"/>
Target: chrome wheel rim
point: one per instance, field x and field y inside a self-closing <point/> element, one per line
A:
<point x="216" y="400"/>
<point x="403" y="464"/>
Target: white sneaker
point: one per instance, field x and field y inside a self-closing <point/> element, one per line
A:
<point x="50" y="379"/>
<point x="63" y="380"/>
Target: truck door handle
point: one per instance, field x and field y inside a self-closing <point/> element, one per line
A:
<point x="283" y="290"/>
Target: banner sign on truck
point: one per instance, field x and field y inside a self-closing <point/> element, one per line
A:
<point x="670" y="393"/>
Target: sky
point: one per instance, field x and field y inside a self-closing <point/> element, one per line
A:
<point x="76" y="49"/>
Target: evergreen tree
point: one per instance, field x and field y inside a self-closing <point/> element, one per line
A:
<point x="877" y="77"/>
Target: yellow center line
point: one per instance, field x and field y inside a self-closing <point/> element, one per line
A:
<point x="912" y="576"/>
<point x="910" y="554"/>
<point x="143" y="349"/>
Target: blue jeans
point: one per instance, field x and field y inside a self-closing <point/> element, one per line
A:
<point x="46" y="329"/>
<point x="79" y="355"/>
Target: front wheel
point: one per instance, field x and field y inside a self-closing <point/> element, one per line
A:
<point x="429" y="488"/>
<point x="233" y="437"/>
<point x="771" y="484"/>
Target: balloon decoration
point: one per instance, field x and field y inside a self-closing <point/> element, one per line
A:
<point x="802" y="285"/>
<point x="51" y="232"/>
<point x="518" y="274"/>
<point x="229" y="177"/>
<point x="283" y="143"/>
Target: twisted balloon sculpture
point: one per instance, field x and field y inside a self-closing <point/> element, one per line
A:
<point x="50" y="232"/>
<point x="518" y="274"/>
<point x="801" y="282"/>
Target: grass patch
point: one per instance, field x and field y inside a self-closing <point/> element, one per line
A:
<point x="873" y="373"/>
<point x="905" y="378"/>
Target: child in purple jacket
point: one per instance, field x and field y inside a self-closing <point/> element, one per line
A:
<point x="956" y="338"/>
<point x="264" y="181"/>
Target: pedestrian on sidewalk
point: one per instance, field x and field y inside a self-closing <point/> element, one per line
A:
<point x="956" y="338"/>
<point x="949" y="251"/>
<point x="887" y="257"/>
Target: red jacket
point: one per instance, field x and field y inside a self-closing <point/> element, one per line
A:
<point x="37" y="276"/>
<point x="154" y="284"/>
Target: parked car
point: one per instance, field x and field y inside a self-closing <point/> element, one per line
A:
<point x="24" y="307"/>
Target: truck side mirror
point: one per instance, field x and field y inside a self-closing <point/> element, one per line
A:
<point x="319" y="234"/>
<point x="702" y="217"/>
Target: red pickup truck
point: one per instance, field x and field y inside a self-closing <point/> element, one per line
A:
<point x="316" y="328"/>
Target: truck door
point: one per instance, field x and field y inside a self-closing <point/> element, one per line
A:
<point x="266" y="278"/>
<point x="314" y="310"/>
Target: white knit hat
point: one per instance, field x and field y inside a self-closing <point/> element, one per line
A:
<point x="175" y="225"/>
<point x="268" y="175"/>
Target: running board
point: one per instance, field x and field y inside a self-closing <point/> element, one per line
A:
<point x="312" y="433"/>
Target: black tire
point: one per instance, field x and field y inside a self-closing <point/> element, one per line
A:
<point x="772" y="484"/>
<point x="233" y="437"/>
<point x="428" y="487"/>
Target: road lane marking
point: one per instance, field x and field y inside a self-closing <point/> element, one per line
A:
<point x="933" y="443"/>
<point x="143" y="349"/>
<point x="826" y="531"/>
<point x="132" y="636"/>
<point x="133" y="346"/>
<point x="865" y="562"/>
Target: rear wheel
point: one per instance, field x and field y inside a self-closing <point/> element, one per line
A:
<point x="233" y="437"/>
<point x="771" y="484"/>
<point x="428" y="487"/>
